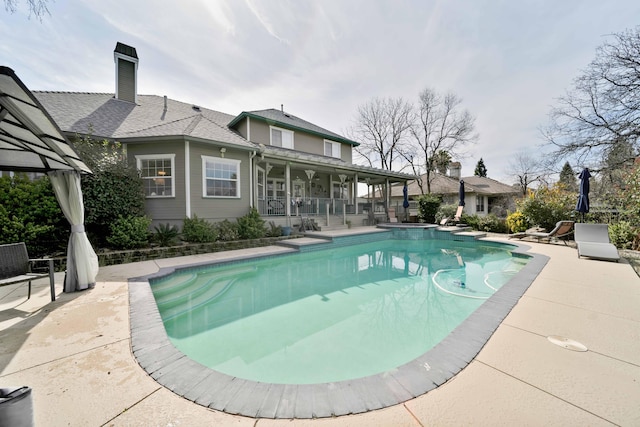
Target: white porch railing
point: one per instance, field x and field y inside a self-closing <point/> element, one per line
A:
<point x="314" y="206"/>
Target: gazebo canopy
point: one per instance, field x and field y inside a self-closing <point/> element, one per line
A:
<point x="30" y="140"/>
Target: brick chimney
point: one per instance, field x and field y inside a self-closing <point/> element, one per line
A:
<point x="126" y="60"/>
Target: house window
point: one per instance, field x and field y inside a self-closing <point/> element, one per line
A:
<point x="261" y="183"/>
<point x="221" y="177"/>
<point x="332" y="149"/>
<point x="157" y="172"/>
<point x="281" y="138"/>
<point x="479" y="203"/>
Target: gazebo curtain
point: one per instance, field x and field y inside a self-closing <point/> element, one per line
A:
<point x="82" y="261"/>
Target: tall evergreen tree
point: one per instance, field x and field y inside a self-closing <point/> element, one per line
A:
<point x="568" y="178"/>
<point x="481" y="169"/>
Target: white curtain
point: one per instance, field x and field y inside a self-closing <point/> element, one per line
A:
<point x="82" y="261"/>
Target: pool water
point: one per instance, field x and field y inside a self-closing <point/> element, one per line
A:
<point x="330" y="315"/>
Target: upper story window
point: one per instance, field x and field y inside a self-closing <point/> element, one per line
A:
<point x="281" y="138"/>
<point x="221" y="177"/>
<point x="332" y="149"/>
<point x="157" y="172"/>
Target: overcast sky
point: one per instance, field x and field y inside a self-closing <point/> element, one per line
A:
<point x="508" y="60"/>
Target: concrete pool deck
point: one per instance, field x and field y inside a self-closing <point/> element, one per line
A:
<point x="75" y="354"/>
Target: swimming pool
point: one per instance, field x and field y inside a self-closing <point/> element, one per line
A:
<point x="329" y="315"/>
<point x="423" y="366"/>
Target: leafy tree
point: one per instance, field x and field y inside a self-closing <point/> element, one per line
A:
<point x="481" y="169"/>
<point x="568" y="178"/>
<point x="441" y="160"/>
<point x="114" y="190"/>
<point x="601" y="111"/>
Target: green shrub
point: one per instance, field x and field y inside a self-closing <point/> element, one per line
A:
<point x="623" y="234"/>
<point x="114" y="189"/>
<point x="491" y="223"/>
<point x="227" y="231"/>
<point x="517" y="222"/>
<point x="428" y="205"/>
<point x="197" y="230"/>
<point x="129" y="232"/>
<point x="29" y="212"/>
<point x="251" y="226"/>
<point x="165" y="234"/>
<point x="274" y="230"/>
<point x="547" y="206"/>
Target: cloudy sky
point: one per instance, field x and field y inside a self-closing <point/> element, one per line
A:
<point x="508" y="60"/>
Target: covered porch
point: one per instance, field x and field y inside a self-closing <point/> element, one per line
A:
<point x="287" y="191"/>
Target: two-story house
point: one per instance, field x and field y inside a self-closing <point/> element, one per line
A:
<point x="197" y="161"/>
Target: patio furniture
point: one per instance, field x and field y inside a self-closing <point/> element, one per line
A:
<point x="562" y="229"/>
<point x="593" y="242"/>
<point x="16" y="267"/>
<point x="446" y="221"/>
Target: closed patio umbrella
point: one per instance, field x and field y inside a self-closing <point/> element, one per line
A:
<point x="405" y="202"/>
<point x="461" y="193"/>
<point x="583" y="198"/>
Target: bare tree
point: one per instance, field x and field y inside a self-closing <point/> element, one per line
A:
<point x="526" y="170"/>
<point x="602" y="109"/>
<point x="36" y="7"/>
<point x="380" y="126"/>
<point x="440" y="127"/>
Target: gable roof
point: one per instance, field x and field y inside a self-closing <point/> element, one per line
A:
<point x="102" y="115"/>
<point x="443" y="184"/>
<point x="289" y="121"/>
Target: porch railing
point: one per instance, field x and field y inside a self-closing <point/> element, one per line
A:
<point x="313" y="206"/>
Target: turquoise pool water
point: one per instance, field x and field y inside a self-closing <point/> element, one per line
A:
<point x="330" y="315"/>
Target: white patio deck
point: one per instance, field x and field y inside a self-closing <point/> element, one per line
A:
<point x="75" y="355"/>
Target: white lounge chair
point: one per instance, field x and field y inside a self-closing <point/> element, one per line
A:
<point x="593" y="242"/>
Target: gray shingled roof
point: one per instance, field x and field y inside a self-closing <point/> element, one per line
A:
<point x="101" y="115"/>
<point x="289" y="121"/>
<point x="442" y="184"/>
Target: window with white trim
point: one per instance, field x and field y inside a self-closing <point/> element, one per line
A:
<point x="332" y="149"/>
<point x="281" y="137"/>
<point x="220" y="177"/>
<point x="479" y="203"/>
<point x="157" y="171"/>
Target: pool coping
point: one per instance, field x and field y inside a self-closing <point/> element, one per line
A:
<point x="174" y="370"/>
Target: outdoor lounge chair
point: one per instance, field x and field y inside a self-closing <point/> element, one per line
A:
<point x="446" y="221"/>
<point x="593" y="242"/>
<point x="562" y="229"/>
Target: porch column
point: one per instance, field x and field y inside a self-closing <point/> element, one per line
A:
<point x="287" y="188"/>
<point x="354" y="192"/>
<point x="387" y="193"/>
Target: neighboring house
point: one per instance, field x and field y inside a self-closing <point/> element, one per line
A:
<point x="482" y="195"/>
<point x="196" y="161"/>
